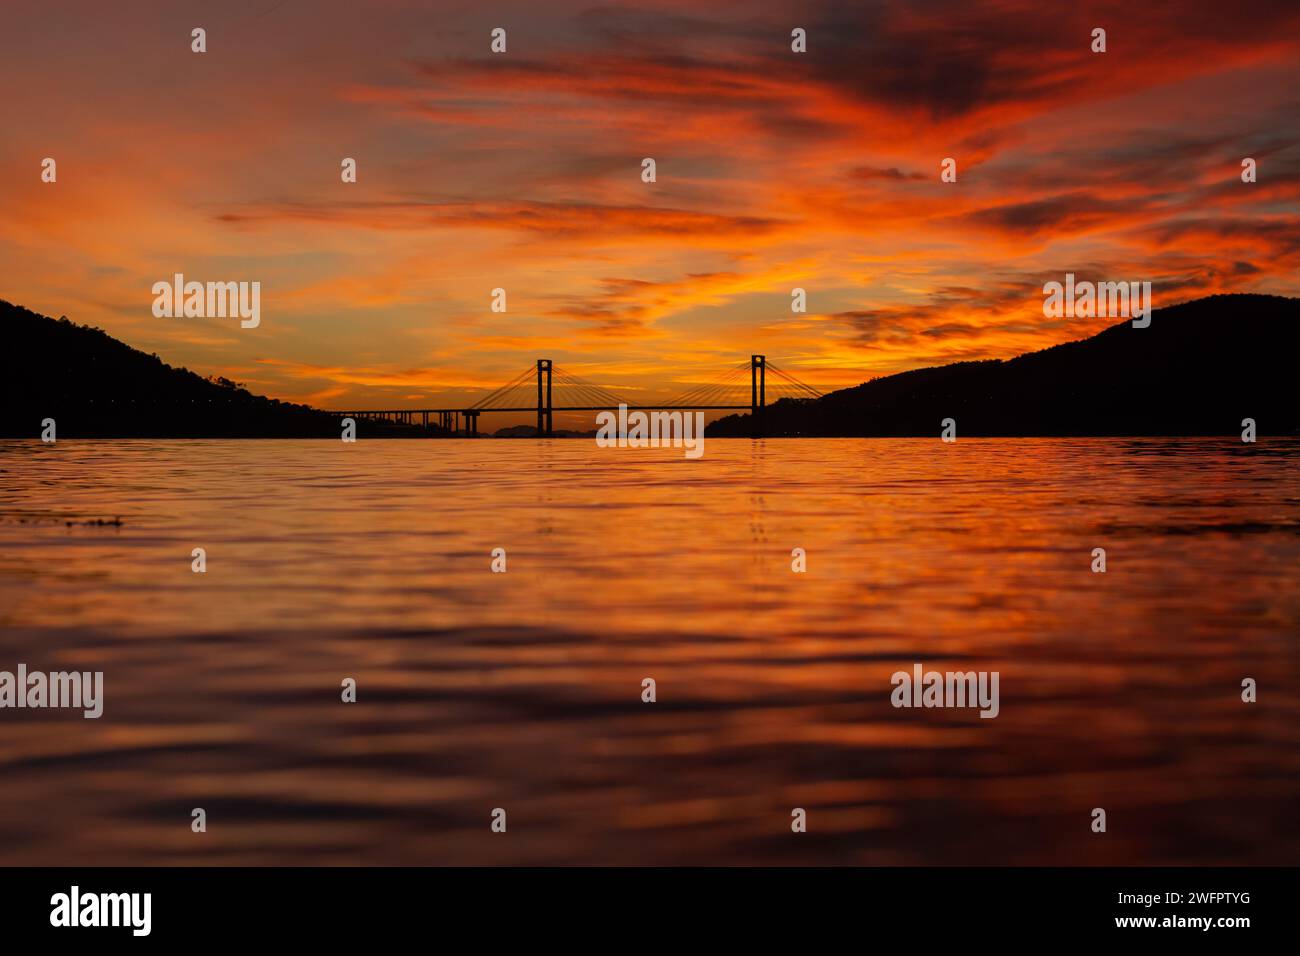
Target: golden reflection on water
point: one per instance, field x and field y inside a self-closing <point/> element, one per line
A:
<point x="522" y="690"/>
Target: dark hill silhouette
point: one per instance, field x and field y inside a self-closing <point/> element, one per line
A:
<point x="1199" y="369"/>
<point x="94" y="386"/>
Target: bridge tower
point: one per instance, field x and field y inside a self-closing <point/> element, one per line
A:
<point x="544" y="420"/>
<point x="757" y="391"/>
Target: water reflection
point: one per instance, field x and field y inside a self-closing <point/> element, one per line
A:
<point x="522" y="690"/>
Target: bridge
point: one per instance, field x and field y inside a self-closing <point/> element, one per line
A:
<point x="576" y="394"/>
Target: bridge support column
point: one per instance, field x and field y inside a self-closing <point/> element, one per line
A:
<point x="545" y="420"/>
<point x="757" y="391"/>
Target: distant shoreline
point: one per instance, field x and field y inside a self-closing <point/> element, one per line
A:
<point x="1214" y="367"/>
<point x="1233" y="437"/>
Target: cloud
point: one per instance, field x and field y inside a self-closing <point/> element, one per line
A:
<point x="571" y="221"/>
<point x="775" y="169"/>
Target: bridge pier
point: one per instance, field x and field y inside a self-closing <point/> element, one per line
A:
<point x="545" y="421"/>
<point x="757" y="391"/>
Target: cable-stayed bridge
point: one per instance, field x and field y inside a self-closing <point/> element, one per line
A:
<point x="546" y="389"/>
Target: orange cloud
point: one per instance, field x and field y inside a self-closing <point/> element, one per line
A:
<point x="522" y="171"/>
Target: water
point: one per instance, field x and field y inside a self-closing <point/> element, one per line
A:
<point x="523" y="690"/>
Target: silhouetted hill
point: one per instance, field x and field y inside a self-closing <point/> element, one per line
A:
<point x="94" y="386"/>
<point x="1199" y="369"/>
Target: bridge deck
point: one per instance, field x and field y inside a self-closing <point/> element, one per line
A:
<point x="533" y="408"/>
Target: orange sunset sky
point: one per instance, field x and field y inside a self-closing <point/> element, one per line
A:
<point x="522" y="170"/>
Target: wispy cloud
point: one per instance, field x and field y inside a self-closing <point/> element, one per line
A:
<point x="522" y="171"/>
